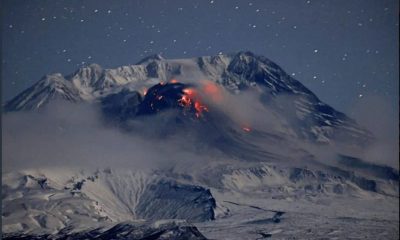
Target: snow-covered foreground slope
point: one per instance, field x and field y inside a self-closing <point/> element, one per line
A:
<point x="221" y="147"/>
<point x="223" y="202"/>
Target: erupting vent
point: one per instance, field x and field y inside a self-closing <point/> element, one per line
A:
<point x="173" y="95"/>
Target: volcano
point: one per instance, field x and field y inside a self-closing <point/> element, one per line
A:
<point x="304" y="113"/>
<point x="234" y="148"/>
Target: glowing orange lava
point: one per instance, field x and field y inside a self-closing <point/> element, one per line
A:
<point x="246" y="129"/>
<point x="199" y="108"/>
<point x="190" y="92"/>
<point x="191" y="99"/>
<point x="185" y="101"/>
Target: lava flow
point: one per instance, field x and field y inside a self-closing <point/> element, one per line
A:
<point x="246" y="129"/>
<point x="190" y="98"/>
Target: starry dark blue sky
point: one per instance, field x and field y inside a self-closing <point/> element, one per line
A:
<point x="343" y="50"/>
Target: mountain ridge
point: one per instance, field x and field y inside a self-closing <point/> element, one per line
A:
<point x="91" y="74"/>
<point x="236" y="73"/>
<point x="229" y="143"/>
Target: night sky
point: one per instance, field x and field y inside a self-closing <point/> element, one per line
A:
<point x="342" y="50"/>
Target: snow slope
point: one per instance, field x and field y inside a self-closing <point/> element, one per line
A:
<point x="244" y="152"/>
<point x="267" y="197"/>
<point x="240" y="72"/>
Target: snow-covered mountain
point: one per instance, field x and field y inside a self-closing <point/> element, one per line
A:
<point x="243" y="151"/>
<point x="244" y="71"/>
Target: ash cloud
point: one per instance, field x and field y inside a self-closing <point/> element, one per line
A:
<point x="70" y="135"/>
<point x="382" y="119"/>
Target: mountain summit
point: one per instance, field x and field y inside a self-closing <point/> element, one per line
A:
<point x="236" y="73"/>
<point x="219" y="147"/>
